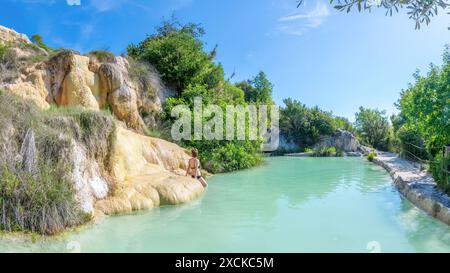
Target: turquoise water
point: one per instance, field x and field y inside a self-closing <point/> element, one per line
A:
<point x="287" y="205"/>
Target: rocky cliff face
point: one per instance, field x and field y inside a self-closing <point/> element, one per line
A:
<point x="66" y="78"/>
<point x="114" y="169"/>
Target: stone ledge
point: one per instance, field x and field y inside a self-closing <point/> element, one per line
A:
<point x="417" y="186"/>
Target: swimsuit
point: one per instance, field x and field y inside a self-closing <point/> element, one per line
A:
<point x="198" y="176"/>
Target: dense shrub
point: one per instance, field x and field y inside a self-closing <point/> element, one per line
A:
<point x="305" y="126"/>
<point x="326" y="151"/>
<point x="230" y="156"/>
<point x="442" y="178"/>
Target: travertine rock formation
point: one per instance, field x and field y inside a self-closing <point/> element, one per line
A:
<point x="144" y="172"/>
<point x="70" y="79"/>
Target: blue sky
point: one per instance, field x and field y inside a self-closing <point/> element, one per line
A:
<point x="315" y="54"/>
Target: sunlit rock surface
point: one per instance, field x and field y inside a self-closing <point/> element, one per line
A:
<point x="67" y="78"/>
<point x="149" y="172"/>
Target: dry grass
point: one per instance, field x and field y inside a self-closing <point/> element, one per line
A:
<point x="43" y="200"/>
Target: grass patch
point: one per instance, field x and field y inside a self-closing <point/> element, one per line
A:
<point x="141" y="72"/>
<point x="42" y="200"/>
<point x="326" y="151"/>
<point x="104" y="56"/>
<point x="4" y="48"/>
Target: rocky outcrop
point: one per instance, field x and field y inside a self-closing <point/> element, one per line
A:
<point x="67" y="78"/>
<point x="342" y="140"/>
<point x="149" y="173"/>
<point x="8" y="35"/>
<point x="113" y="170"/>
<point x="416" y="185"/>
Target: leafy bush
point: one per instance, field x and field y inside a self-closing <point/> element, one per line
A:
<point x="232" y="156"/>
<point x="442" y="178"/>
<point x="325" y="151"/>
<point x="371" y="156"/>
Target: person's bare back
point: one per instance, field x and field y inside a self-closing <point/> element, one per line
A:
<point x="193" y="168"/>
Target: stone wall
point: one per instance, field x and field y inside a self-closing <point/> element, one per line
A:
<point x="417" y="186"/>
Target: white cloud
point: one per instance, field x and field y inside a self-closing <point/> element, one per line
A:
<point x="319" y="12"/>
<point x="74" y="2"/>
<point x="110" y="5"/>
<point x="300" y="23"/>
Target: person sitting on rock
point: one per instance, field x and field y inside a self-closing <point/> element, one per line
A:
<point x="193" y="168"/>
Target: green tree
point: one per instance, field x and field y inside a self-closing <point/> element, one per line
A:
<point x="177" y="52"/>
<point x="373" y="127"/>
<point x="344" y="124"/>
<point x="425" y="106"/>
<point x="257" y="90"/>
<point x="37" y="40"/>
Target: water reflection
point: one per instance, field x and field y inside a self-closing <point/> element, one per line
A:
<point x="423" y="232"/>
